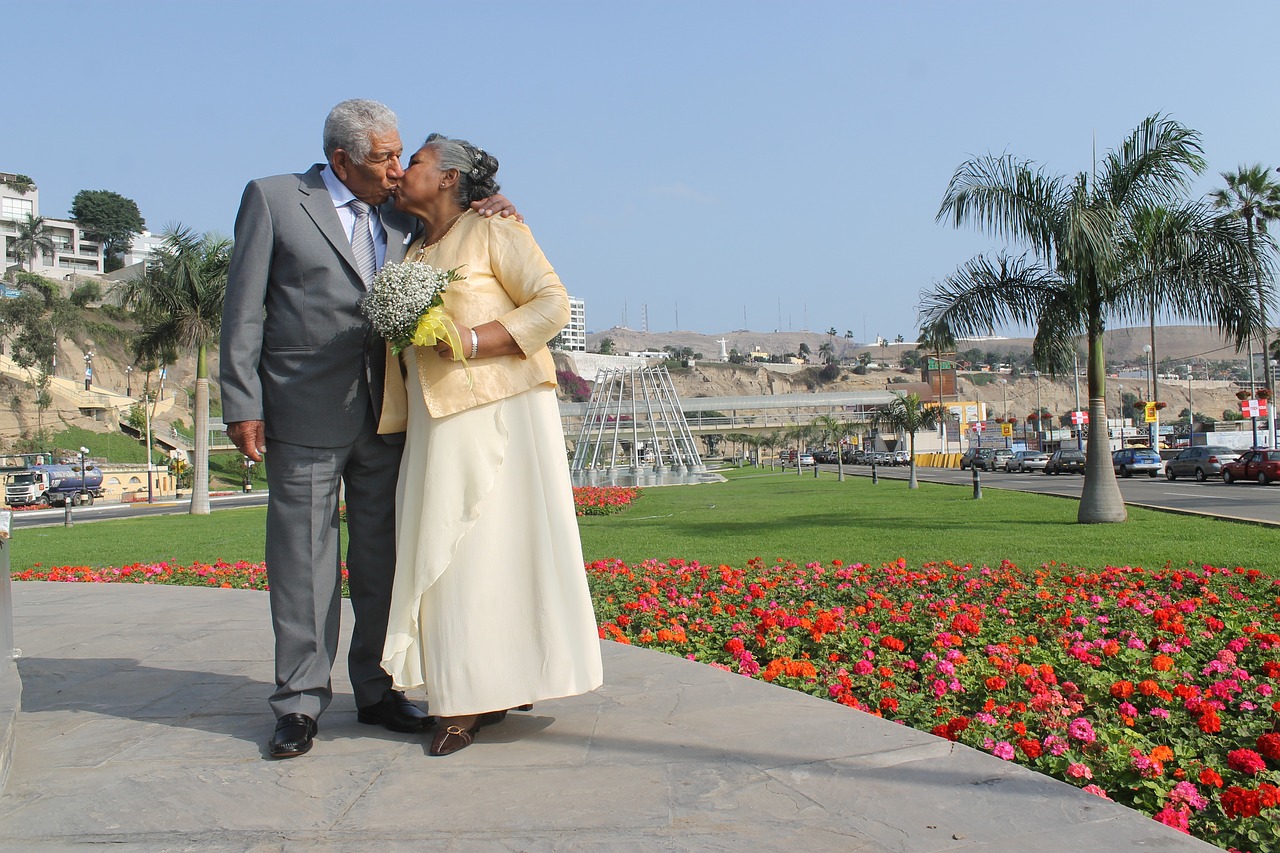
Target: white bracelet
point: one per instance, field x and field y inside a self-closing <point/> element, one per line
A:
<point x="475" y="344"/>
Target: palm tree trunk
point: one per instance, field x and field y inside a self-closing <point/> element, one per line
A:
<point x="912" y="483"/>
<point x="200" y="475"/>
<point x="1100" y="499"/>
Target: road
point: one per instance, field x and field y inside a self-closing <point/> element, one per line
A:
<point x="1240" y="501"/>
<point x="105" y="511"/>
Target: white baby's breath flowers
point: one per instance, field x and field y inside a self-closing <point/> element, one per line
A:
<point x="399" y="297"/>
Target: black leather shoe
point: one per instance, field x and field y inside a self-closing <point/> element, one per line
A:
<point x="294" y="733"/>
<point x="396" y="713"/>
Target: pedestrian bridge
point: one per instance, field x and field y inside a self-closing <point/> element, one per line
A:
<point x="753" y="414"/>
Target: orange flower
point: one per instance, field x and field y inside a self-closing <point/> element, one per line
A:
<point x="1122" y="689"/>
<point x="1162" y="663"/>
<point x="1162" y="753"/>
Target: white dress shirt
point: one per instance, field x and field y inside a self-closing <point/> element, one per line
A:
<point x="341" y="198"/>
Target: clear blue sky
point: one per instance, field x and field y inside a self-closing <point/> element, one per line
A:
<point x="730" y="165"/>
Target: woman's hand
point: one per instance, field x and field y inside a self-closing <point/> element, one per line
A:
<point x="464" y="338"/>
<point x="496" y="203"/>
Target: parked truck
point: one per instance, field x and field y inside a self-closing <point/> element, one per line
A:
<point x="53" y="485"/>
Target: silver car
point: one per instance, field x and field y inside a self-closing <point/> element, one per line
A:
<point x="1026" y="460"/>
<point x="1200" y="462"/>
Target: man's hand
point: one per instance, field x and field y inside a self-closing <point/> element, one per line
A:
<point x="496" y="203"/>
<point x="250" y="437"/>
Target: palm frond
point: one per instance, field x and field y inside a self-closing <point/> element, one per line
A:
<point x="1005" y="198"/>
<point x="986" y="293"/>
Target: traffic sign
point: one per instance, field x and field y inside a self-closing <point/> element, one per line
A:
<point x="1253" y="408"/>
<point x="1006" y="430"/>
<point x="1079" y="417"/>
<point x="1149" y="413"/>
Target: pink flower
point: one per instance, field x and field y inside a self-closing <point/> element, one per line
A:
<point x="1082" y="730"/>
<point x="1096" y="791"/>
<point x="1079" y="771"/>
<point x="1186" y="793"/>
<point x="1179" y="819"/>
<point x="1004" y="750"/>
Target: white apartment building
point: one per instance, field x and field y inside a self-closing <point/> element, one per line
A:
<point x="71" y="254"/>
<point x="573" y="337"/>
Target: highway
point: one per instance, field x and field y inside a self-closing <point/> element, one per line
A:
<point x="1240" y="501"/>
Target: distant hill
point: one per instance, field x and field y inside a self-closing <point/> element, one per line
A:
<point x="1176" y="342"/>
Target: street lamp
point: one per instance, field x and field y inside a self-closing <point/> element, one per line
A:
<point x="1153" y="428"/>
<point x="88" y="370"/>
<point x="128" y="380"/>
<point x="1191" y="413"/>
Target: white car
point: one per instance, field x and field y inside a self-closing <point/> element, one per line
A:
<point x="901" y="457"/>
<point x="1026" y="460"/>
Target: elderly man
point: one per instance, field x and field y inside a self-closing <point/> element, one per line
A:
<point x="301" y="373"/>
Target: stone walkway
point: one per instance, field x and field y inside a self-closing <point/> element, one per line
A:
<point x="144" y="717"/>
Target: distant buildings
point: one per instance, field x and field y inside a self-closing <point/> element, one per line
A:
<point x="72" y="253"/>
<point x="573" y="337"/>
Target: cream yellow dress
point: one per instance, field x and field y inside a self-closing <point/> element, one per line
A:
<point x="490" y="607"/>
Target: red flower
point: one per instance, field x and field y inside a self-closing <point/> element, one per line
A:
<point x="1209" y="722"/>
<point x="1209" y="776"/>
<point x="1269" y="745"/>
<point x="1241" y="802"/>
<point x="1162" y="663"/>
<point x="1122" y="689"/>
<point x="1030" y="748"/>
<point x="1245" y="761"/>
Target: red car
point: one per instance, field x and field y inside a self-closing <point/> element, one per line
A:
<point x="1262" y="465"/>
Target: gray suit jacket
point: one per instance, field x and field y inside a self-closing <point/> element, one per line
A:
<point x="296" y="352"/>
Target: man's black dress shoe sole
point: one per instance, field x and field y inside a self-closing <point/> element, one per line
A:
<point x="294" y="736"/>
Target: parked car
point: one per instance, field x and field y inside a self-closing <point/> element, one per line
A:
<point x="1200" y="462"/>
<point x="1026" y="460"/>
<point x="1065" y="462"/>
<point x="806" y="459"/>
<point x="901" y="457"/>
<point x="852" y="457"/>
<point x="1260" y="464"/>
<point x="1136" y="460"/>
<point x="976" y="457"/>
<point x="999" y="459"/>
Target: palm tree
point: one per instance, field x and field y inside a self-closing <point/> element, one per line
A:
<point x="834" y="430"/>
<point x="1254" y="198"/>
<point x="771" y="440"/>
<point x="906" y="414"/>
<point x="828" y="352"/>
<point x="33" y="238"/>
<point x="179" y="299"/>
<point x="800" y="433"/>
<point x="1084" y="270"/>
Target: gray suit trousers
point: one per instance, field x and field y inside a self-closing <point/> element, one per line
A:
<point x="304" y="570"/>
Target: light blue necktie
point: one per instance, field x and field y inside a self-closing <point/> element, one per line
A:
<point x="362" y="242"/>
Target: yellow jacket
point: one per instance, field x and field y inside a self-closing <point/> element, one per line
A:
<point x="508" y="279"/>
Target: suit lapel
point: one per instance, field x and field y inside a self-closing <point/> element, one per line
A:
<point x="318" y="205"/>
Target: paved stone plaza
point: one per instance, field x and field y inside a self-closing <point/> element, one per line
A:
<point x="144" y="719"/>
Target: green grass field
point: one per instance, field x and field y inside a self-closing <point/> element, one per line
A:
<point x="755" y="514"/>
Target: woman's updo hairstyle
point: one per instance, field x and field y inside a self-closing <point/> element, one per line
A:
<point x="476" y="167"/>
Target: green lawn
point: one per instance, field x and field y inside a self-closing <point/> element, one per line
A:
<point x="755" y="514"/>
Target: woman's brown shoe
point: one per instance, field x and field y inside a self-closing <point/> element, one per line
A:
<point x="450" y="739"/>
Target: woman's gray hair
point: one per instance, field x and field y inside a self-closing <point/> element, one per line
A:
<point x="476" y="167"/>
<point x="351" y="122"/>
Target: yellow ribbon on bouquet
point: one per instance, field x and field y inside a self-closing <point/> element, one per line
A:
<point x="433" y="327"/>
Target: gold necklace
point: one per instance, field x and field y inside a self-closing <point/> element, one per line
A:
<point x="453" y="223"/>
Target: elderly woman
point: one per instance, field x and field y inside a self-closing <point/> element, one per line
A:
<point x="490" y="608"/>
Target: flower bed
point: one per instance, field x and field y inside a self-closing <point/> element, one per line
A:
<point x="1155" y="688"/>
<point x="603" y="500"/>
<point x="240" y="575"/>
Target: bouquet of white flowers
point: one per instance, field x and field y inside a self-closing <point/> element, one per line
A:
<point x="406" y="305"/>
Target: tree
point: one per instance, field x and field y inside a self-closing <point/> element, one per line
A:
<point x="179" y="300"/>
<point x="32" y="239"/>
<point x="1254" y="198"/>
<point x="1083" y="271"/>
<point x="771" y="441"/>
<point x="906" y="414"/>
<point x="108" y="218"/>
<point x="828" y="352"/>
<point x="20" y="184"/>
<point x="834" y="431"/>
<point x="605" y="346"/>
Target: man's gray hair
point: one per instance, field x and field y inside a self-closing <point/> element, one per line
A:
<point x="350" y="123"/>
